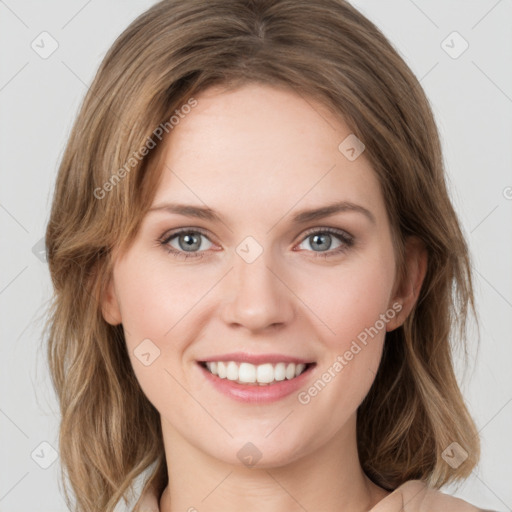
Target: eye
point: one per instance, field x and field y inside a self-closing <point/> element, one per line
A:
<point x="321" y="240"/>
<point x="186" y="243"/>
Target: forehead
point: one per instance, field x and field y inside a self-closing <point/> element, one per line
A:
<point x="259" y="145"/>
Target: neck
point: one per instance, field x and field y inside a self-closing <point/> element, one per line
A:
<point x="329" y="478"/>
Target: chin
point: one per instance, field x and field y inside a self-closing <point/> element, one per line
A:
<point x="258" y="451"/>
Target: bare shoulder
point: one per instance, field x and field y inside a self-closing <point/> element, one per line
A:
<point x="415" y="496"/>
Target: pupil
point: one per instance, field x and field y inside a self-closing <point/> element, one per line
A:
<point x="190" y="241"/>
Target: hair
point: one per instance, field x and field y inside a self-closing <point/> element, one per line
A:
<point x="327" y="51"/>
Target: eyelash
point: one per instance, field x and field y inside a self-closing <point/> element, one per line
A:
<point x="346" y="239"/>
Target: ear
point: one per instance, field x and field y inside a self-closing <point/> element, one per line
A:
<point x="407" y="289"/>
<point x="110" y="305"/>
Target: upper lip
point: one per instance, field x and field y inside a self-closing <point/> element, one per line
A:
<point x="256" y="359"/>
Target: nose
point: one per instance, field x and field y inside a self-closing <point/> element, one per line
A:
<point x="257" y="296"/>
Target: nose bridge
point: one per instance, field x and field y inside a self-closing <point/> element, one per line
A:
<point x="257" y="298"/>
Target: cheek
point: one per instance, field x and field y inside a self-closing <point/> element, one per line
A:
<point x="357" y="308"/>
<point x="154" y="298"/>
<point x="350" y="299"/>
<point x="353" y="306"/>
<point x="150" y="309"/>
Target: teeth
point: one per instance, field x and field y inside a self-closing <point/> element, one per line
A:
<point x="232" y="371"/>
<point x="262" y="374"/>
<point x="247" y="373"/>
<point x="280" y="371"/>
<point x="221" y="370"/>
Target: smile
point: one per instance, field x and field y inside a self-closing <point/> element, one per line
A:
<point x="261" y="374"/>
<point x="262" y="378"/>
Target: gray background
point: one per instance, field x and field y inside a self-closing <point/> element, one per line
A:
<point x="472" y="100"/>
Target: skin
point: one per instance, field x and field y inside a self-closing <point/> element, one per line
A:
<point x="258" y="155"/>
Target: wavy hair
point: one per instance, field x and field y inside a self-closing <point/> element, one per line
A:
<point x="110" y="434"/>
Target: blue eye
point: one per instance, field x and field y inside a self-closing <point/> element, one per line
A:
<point x="189" y="242"/>
<point x="322" y="239"/>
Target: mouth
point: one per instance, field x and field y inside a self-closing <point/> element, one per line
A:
<point x="265" y="374"/>
<point x="256" y="378"/>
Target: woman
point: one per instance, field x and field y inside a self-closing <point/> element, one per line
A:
<point x="254" y="254"/>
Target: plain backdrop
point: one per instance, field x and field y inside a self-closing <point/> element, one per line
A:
<point x="471" y="94"/>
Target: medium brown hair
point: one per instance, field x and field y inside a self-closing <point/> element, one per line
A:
<point x="324" y="50"/>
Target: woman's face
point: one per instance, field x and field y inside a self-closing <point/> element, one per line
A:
<point x="257" y="280"/>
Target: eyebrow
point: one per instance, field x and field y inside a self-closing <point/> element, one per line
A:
<point x="301" y="217"/>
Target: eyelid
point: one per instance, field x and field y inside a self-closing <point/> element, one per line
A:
<point x="316" y="229"/>
<point x="173" y="232"/>
<point x="325" y="229"/>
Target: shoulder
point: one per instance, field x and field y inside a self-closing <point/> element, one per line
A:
<point x="148" y="501"/>
<point x="415" y="496"/>
<point x="412" y="496"/>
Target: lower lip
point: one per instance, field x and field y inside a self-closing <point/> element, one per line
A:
<point x="254" y="393"/>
